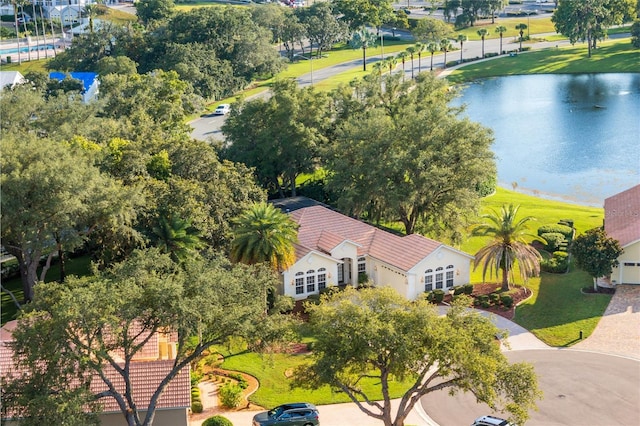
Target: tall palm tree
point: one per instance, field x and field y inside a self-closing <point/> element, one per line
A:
<point x="445" y="46"/>
<point x="501" y="29"/>
<point x="403" y="57"/>
<point x="411" y="50"/>
<point x="15" y="22"/>
<point x="391" y="62"/>
<point x="521" y="28"/>
<point x="264" y="234"/>
<point x="432" y="48"/>
<point x="176" y="237"/>
<point x="482" y="32"/>
<point x="461" y="38"/>
<point x="363" y="39"/>
<point x="419" y="49"/>
<point x="507" y="246"/>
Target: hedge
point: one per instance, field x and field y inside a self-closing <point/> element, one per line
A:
<point x="230" y="395"/>
<point x="556" y="228"/>
<point x="554" y="241"/>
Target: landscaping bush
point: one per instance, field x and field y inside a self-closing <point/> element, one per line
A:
<point x="566" y="222"/>
<point x="196" y="407"/>
<point x="485" y="304"/>
<point x="230" y="395"/>
<point x="468" y="289"/>
<point x="458" y="290"/>
<point x="217" y="421"/>
<point x="483" y="298"/>
<point x="558" y="229"/>
<point x="554" y="241"/>
<point x="435" y="296"/>
<point x="363" y="278"/>
<point x="494" y="298"/>
<point x="558" y="264"/>
<point x="506" y="300"/>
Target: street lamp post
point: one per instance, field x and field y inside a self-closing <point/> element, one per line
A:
<point x="382" y="44"/>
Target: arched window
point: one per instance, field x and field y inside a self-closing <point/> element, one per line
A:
<point x="299" y="283"/>
<point x="439" y="276"/>
<point x="428" y="280"/>
<point x="449" y="276"/>
<point x="322" y="278"/>
<point x="311" y="281"/>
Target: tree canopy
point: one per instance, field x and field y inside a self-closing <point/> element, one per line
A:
<point x="103" y="322"/>
<point x="401" y="152"/>
<point x="596" y="253"/>
<point x="376" y="333"/>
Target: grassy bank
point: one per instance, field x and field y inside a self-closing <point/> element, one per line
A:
<point x="612" y="56"/>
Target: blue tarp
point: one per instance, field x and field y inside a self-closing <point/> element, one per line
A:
<point x="87" y="78"/>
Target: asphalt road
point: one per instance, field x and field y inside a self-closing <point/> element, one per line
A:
<point x="580" y="388"/>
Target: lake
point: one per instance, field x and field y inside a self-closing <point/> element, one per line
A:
<point x="569" y="137"/>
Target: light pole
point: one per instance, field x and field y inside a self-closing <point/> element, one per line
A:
<point x="382" y="44"/>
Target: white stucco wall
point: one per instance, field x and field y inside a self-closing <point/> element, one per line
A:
<point x="312" y="261"/>
<point x="442" y="257"/>
<point x="628" y="274"/>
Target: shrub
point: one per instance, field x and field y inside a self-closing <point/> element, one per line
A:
<point x="230" y="395"/>
<point x="468" y="289"/>
<point x="485" y="304"/>
<point x="196" y="407"/>
<point x="196" y="376"/>
<point x="483" y="298"/>
<point x="435" y="296"/>
<point x="363" y="278"/>
<point x="458" y="290"/>
<point x="558" y="264"/>
<point x="566" y="222"/>
<point x="506" y="300"/>
<point x="217" y="421"/>
<point x="195" y="392"/>
<point x="494" y="298"/>
<point x="554" y="241"/>
<point x="558" y="229"/>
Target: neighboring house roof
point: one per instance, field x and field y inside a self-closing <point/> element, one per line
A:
<point x="10" y="78"/>
<point x="87" y="78"/>
<point x="145" y="377"/>
<point x="622" y="216"/>
<point x="322" y="229"/>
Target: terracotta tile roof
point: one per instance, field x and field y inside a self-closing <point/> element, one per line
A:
<point x="321" y="228"/>
<point x="622" y="216"/>
<point x="145" y="378"/>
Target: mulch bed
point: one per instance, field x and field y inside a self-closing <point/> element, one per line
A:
<point x="518" y="293"/>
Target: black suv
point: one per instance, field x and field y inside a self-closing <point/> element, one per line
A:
<point x="296" y="414"/>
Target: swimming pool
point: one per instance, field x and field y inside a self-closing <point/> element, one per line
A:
<point x="26" y="49"/>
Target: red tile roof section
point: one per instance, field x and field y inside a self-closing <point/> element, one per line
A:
<point x="622" y="216"/>
<point x="145" y="378"/>
<point x="317" y="222"/>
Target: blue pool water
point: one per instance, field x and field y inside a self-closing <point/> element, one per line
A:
<point x="26" y="49"/>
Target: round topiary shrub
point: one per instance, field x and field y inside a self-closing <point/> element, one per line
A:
<point x="230" y="395"/>
<point x="217" y="421"/>
<point x="435" y="296"/>
<point x="554" y="241"/>
<point x="556" y="228"/>
<point x="196" y="407"/>
<point x="458" y="290"/>
<point x="494" y="298"/>
<point x="507" y="301"/>
<point x="468" y="289"/>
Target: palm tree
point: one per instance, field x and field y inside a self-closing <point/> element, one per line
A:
<point x="15" y="22"/>
<point x="501" y="29"/>
<point x="432" y="48"/>
<point x="419" y="49"/>
<point x="403" y="57"/>
<point x="461" y="38"/>
<point x="363" y="39"/>
<point x="391" y="62"/>
<point x="411" y="50"/>
<point x="482" y="32"/>
<point x="521" y="28"/>
<point x="507" y="246"/>
<point x="264" y="234"/>
<point x="176" y="237"/>
<point x="445" y="46"/>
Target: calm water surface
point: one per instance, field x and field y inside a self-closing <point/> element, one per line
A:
<point x="572" y="137"/>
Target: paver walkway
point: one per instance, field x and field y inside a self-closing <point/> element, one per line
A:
<point x="618" y="331"/>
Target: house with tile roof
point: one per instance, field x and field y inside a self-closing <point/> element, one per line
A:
<point x="149" y="367"/>
<point x="336" y="250"/>
<point x="622" y="222"/>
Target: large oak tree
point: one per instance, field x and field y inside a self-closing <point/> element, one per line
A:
<point x="375" y="333"/>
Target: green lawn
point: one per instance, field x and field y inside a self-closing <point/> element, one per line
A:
<point x="273" y="371"/>
<point x="536" y="26"/>
<point x="612" y="56"/>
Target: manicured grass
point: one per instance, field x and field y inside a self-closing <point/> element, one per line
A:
<point x="27" y="66"/>
<point x="117" y="16"/>
<point x="612" y="56"/>
<point x="558" y="311"/>
<point x="536" y="26"/>
<point x="79" y="266"/>
<point x="274" y="374"/>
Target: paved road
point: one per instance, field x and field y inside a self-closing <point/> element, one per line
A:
<point x="580" y="388"/>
